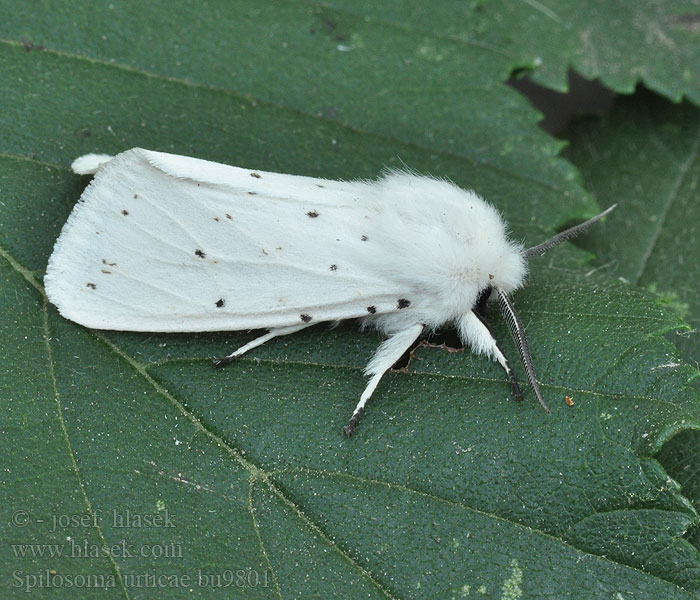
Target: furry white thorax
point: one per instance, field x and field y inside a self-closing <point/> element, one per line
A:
<point x="443" y="243"/>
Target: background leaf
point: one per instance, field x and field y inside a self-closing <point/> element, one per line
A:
<point x="618" y="42"/>
<point x="449" y="488"/>
<point x="652" y="240"/>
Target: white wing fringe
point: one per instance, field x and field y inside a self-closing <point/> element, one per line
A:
<point x="88" y="164"/>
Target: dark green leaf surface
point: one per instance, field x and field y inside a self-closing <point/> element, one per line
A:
<point x="620" y="42"/>
<point x="449" y="488"/>
<point x="646" y="157"/>
<point x="680" y="458"/>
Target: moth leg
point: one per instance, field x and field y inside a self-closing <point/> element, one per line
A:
<point x="259" y="341"/>
<point x="390" y="350"/>
<point x="478" y="335"/>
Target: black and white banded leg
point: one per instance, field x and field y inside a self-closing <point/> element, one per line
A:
<point x="474" y="330"/>
<point x="390" y="351"/>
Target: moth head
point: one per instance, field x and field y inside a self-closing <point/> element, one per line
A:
<point x="511" y="316"/>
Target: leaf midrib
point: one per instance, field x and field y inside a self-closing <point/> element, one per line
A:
<point x="670" y="199"/>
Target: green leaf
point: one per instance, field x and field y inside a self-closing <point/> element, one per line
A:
<point x="449" y="488"/>
<point x="679" y="457"/>
<point x="651" y="239"/>
<point x="618" y="42"/>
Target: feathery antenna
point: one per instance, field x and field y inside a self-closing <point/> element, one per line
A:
<point x="518" y="332"/>
<point x="540" y="249"/>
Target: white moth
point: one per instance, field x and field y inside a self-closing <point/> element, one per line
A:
<point x="160" y="242"/>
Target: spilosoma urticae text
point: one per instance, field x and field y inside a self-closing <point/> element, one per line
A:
<point x="160" y="242"/>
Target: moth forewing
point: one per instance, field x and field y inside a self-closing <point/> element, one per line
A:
<point x="174" y="244"/>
